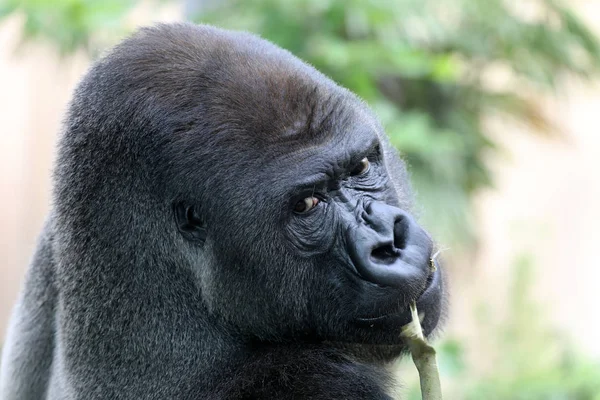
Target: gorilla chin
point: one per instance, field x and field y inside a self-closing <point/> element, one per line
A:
<point x="387" y="324"/>
<point x="227" y="223"/>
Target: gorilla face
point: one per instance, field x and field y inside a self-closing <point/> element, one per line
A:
<point x="318" y="243"/>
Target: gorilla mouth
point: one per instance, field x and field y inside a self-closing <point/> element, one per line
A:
<point x="430" y="295"/>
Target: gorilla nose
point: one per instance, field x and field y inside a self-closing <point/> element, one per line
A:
<point x="393" y="225"/>
<point x="390" y="248"/>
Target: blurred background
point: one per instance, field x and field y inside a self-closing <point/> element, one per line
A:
<point x="494" y="105"/>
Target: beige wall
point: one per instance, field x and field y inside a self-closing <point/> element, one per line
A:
<point x="547" y="203"/>
<point x="546" y="199"/>
<point x="35" y="89"/>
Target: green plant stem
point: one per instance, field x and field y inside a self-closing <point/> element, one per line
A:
<point x="424" y="357"/>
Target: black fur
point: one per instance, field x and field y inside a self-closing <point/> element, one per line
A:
<point x="172" y="264"/>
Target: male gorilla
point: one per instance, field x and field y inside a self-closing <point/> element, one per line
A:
<point x="228" y="223"/>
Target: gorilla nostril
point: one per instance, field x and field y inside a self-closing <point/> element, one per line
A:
<point x="386" y="254"/>
<point x="401" y="232"/>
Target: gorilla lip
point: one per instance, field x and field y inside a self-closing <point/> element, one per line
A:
<point x="432" y="284"/>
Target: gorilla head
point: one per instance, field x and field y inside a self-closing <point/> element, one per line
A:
<point x="209" y="181"/>
<point x="220" y="153"/>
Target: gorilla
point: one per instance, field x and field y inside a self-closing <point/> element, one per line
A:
<point x="227" y="223"/>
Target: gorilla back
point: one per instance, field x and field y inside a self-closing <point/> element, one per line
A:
<point x="227" y="223"/>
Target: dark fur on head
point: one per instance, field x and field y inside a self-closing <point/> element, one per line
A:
<point x="179" y="269"/>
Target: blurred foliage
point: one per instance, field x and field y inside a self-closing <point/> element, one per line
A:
<point x="531" y="360"/>
<point x="71" y="25"/>
<point x="423" y="65"/>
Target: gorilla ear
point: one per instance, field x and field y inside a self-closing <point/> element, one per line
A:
<point x="190" y="223"/>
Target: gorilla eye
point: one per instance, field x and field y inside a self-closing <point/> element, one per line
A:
<point x="361" y="168"/>
<point x="305" y="205"/>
